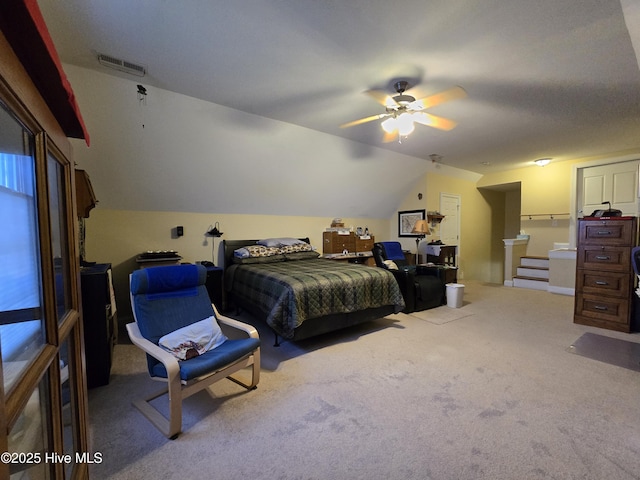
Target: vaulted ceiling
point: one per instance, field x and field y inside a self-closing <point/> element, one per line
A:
<point x="553" y="79"/>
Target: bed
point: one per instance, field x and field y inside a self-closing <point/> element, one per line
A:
<point x="300" y="295"/>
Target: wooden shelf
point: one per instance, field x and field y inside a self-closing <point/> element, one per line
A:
<point x="434" y="218"/>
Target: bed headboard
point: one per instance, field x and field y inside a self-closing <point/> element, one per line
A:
<point x="229" y="246"/>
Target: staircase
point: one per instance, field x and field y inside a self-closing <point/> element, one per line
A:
<point x="532" y="273"/>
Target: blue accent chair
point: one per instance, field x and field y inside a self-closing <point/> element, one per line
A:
<point x="165" y="299"/>
<point x="420" y="290"/>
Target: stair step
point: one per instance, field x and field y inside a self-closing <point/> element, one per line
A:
<point x="533" y="272"/>
<point x="533" y="261"/>
<point x="532" y="283"/>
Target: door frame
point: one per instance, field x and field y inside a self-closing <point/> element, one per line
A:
<point x="459" y="198"/>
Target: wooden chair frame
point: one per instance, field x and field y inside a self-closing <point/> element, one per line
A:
<point x="178" y="389"/>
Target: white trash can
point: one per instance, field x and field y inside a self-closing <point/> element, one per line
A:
<point x="455" y="292"/>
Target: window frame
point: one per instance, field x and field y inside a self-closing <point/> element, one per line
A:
<point x="20" y="97"/>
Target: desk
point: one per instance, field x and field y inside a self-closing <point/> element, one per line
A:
<point x="442" y="254"/>
<point x="362" y="258"/>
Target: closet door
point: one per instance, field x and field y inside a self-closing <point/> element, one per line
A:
<point x="616" y="183"/>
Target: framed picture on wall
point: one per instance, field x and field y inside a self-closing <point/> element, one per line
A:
<point x="406" y="220"/>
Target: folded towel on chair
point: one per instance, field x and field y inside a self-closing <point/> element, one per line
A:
<point x="193" y="340"/>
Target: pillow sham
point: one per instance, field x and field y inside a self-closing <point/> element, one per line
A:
<point x="299" y="247"/>
<point x="301" y="255"/>
<point x="279" y="242"/>
<point x="256" y="251"/>
<point x="193" y="340"/>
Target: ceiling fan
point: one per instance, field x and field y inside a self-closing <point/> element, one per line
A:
<point x="403" y="110"/>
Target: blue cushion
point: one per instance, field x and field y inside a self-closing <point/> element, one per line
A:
<point x="170" y="280"/>
<point x="212" y="360"/>
<point x="159" y="310"/>
<point x="393" y="251"/>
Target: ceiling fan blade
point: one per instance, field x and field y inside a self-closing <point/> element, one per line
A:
<point x="438" y="98"/>
<point x="434" y="121"/>
<point x="390" y="136"/>
<point x="382" y="97"/>
<point x="364" y="120"/>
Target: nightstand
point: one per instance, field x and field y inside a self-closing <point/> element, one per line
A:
<point x="214" y="287"/>
<point x="442" y="254"/>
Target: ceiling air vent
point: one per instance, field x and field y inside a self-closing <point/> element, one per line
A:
<point x="122" y="65"/>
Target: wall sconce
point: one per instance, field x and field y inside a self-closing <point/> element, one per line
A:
<point x="214" y="231"/>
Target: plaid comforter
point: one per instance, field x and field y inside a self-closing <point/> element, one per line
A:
<point x="294" y="291"/>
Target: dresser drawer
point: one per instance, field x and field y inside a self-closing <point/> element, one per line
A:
<point x="364" y="245"/>
<point x="607" y="232"/>
<point x="603" y="284"/>
<point x="612" y="259"/>
<point x="332" y="242"/>
<point x="600" y="309"/>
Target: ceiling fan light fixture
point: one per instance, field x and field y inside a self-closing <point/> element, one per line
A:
<point x="389" y="125"/>
<point x="405" y="124"/>
<point x="404" y="100"/>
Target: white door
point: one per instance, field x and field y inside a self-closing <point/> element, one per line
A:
<point x="450" y="225"/>
<point x="616" y="183"/>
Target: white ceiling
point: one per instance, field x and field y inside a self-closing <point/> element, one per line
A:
<point x="545" y="78"/>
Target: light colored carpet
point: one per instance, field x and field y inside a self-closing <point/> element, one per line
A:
<point x="494" y="395"/>
<point x="442" y="315"/>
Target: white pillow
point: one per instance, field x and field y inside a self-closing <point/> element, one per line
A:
<point x="194" y="339"/>
<point x="390" y="264"/>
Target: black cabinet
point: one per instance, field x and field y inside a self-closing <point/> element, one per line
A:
<point x="100" y="322"/>
<point x="214" y="287"/>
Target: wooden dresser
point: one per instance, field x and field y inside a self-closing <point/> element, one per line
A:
<point x="334" y="242"/>
<point x="359" y="249"/>
<point x="605" y="278"/>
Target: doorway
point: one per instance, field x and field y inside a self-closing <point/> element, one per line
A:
<point x="504" y="201"/>
<point x="450" y="225"/>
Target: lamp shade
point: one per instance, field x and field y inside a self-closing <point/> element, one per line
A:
<point x="421" y="227"/>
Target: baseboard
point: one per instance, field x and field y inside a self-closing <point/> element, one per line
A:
<point x="562" y="290"/>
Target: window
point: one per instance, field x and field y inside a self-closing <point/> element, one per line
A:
<point x="21" y="322"/>
<point x="43" y="395"/>
<point x="59" y="234"/>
